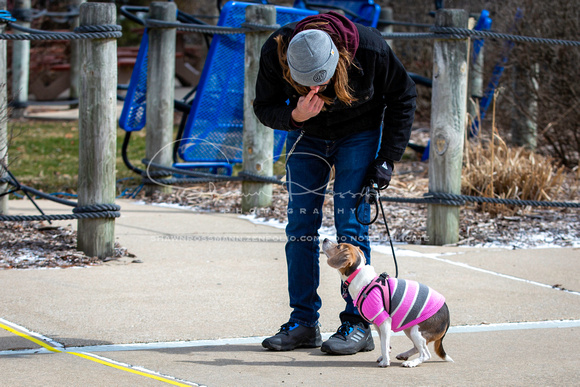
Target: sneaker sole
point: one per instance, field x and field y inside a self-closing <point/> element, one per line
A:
<point x="367" y="348"/>
<point x="274" y="347"/>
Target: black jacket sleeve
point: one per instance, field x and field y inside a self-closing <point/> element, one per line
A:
<point x="399" y="94"/>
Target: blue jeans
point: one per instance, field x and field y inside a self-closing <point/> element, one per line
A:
<point x="307" y="174"/>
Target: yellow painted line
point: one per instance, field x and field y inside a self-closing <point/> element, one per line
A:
<point x="30" y="338"/>
<point x="127" y="369"/>
<point x="91" y="358"/>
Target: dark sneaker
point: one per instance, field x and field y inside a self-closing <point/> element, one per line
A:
<point x="293" y="335"/>
<point x="349" y="339"/>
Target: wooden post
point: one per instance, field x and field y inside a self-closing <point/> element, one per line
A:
<point x="3" y="117"/>
<point x="475" y="86"/>
<point x="75" y="58"/>
<point x="524" y="125"/>
<point x="448" y="113"/>
<point x="97" y="130"/>
<point x="258" y="140"/>
<point x="20" y="64"/>
<point x="160" y="89"/>
<point x="387" y="14"/>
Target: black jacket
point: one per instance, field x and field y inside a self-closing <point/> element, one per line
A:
<point x="379" y="82"/>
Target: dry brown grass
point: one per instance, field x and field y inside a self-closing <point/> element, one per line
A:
<point x="494" y="169"/>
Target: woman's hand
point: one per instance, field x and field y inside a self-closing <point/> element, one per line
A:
<point x="308" y="106"/>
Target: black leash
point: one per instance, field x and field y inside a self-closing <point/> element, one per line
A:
<point x="371" y="196"/>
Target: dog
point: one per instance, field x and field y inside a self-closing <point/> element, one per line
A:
<point x="392" y="304"/>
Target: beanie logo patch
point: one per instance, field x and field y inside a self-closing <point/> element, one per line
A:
<point x="319" y="76"/>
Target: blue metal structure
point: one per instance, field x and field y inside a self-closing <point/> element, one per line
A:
<point x="133" y="115"/>
<point x="213" y="132"/>
<point x="212" y="135"/>
<point x="365" y="12"/>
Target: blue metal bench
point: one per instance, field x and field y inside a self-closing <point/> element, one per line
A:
<point x="365" y="12"/>
<point x="213" y="132"/>
<point x="212" y="135"/>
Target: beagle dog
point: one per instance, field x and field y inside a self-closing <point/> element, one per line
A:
<point x="392" y="304"/>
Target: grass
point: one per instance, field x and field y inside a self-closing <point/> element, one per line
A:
<point x="493" y="169"/>
<point x="497" y="171"/>
<point x="44" y="154"/>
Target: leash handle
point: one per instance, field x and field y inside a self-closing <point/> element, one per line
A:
<point x="370" y="195"/>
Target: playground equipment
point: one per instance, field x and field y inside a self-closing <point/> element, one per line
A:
<point x="212" y="134"/>
<point x="365" y="12"/>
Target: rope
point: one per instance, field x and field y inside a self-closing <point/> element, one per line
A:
<point x="28" y="14"/>
<point x="93" y="211"/>
<point x="429" y="198"/>
<point x="514" y="202"/>
<point x="88" y="215"/>
<point x="259" y="178"/>
<point x="461" y="33"/>
<point x="201" y="177"/>
<point x="436" y="32"/>
<point x="220" y="30"/>
<point x="412" y="35"/>
<point x="106" y="31"/>
<point x="459" y="200"/>
<point x="178" y="171"/>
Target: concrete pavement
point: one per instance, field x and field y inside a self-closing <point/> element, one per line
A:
<point x="207" y="288"/>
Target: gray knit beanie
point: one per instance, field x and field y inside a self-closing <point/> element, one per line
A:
<point x="312" y="57"/>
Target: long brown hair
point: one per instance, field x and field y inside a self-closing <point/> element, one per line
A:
<point x="341" y="87"/>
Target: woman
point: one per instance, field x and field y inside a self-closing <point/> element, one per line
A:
<point x="348" y="103"/>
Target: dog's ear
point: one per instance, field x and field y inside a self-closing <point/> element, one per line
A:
<point x="340" y="260"/>
<point x="347" y="256"/>
<point x="356" y="262"/>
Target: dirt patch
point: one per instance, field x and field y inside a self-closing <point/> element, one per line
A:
<point x="516" y="227"/>
<point x="38" y="245"/>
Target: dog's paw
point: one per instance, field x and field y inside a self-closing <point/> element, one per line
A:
<point x="383" y="362"/>
<point x="402" y="357"/>
<point x="411" y="363"/>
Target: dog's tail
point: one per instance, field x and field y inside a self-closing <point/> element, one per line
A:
<point x="439" y="343"/>
<point x="441" y="352"/>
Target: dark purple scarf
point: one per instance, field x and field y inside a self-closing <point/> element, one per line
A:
<point x="342" y="30"/>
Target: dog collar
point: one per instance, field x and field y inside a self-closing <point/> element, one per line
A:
<point x="346" y="283"/>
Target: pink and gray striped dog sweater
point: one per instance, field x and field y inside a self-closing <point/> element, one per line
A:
<point x="407" y="302"/>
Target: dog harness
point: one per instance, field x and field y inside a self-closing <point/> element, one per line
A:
<point x="407" y="302"/>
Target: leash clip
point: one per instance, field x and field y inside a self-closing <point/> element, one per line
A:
<point x="371" y="193"/>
